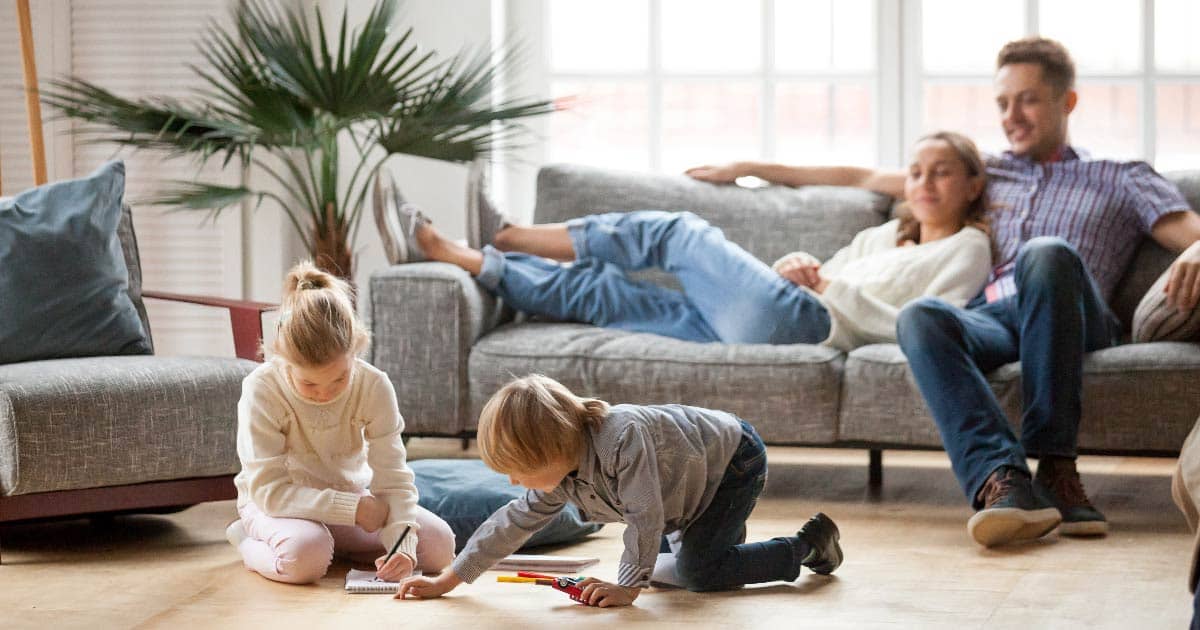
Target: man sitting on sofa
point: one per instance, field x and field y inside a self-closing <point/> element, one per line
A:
<point x="1065" y="227"/>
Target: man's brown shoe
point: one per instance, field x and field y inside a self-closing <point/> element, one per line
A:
<point x="1060" y="479"/>
<point x="1011" y="511"/>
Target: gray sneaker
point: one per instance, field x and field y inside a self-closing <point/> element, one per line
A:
<point x="483" y="219"/>
<point x="397" y="222"/>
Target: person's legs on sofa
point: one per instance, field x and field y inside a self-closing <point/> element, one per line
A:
<point x="591" y="291"/>
<point x="1061" y="315"/>
<point x="290" y="550"/>
<point x="948" y="350"/>
<point x="742" y="298"/>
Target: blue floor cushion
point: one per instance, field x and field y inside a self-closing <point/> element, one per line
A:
<point x="465" y="492"/>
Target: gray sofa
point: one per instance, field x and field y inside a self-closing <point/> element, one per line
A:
<point x="124" y="433"/>
<point x="448" y="344"/>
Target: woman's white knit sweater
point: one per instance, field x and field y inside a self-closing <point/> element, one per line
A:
<point x="872" y="278"/>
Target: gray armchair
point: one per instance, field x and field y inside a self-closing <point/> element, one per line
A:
<point x="124" y="433"/>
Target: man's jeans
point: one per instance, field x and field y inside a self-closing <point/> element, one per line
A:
<point x="1056" y="316"/>
<point x="728" y="295"/>
<point x="711" y="553"/>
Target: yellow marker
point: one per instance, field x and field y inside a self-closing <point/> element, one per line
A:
<point x="509" y="578"/>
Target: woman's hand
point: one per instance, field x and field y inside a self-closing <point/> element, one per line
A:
<point x="399" y="567"/>
<point x="371" y="514"/>
<point x="604" y="595"/>
<point x="800" y="269"/>
<point x="724" y="174"/>
<point x="426" y="588"/>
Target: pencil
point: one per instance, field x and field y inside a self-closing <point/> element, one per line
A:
<point x="397" y="545"/>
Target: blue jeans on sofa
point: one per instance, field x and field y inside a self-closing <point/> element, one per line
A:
<point x="1057" y="314"/>
<point x="728" y="295"/>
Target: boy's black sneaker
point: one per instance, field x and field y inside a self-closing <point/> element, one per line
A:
<point x="821" y="534"/>
<point x="1011" y="512"/>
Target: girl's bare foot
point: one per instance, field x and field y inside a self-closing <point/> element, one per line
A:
<point x="439" y="248"/>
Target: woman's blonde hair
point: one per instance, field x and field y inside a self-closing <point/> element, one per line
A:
<point x="317" y="323"/>
<point x="534" y="422"/>
<point x="976" y="214"/>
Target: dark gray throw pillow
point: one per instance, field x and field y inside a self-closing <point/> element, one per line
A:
<point x="465" y="492"/>
<point x="63" y="279"/>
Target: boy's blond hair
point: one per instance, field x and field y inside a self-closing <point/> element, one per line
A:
<point x="317" y="323"/>
<point x="534" y="422"/>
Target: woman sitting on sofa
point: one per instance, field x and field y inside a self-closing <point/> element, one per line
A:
<point x="577" y="271"/>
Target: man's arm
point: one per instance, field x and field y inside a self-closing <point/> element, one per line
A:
<point x="876" y="180"/>
<point x="1180" y="232"/>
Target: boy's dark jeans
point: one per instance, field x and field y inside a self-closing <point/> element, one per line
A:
<point x="712" y="554"/>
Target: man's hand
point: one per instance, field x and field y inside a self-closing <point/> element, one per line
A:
<point x="1183" y="283"/>
<point x="394" y="570"/>
<point x="371" y="514"/>
<point x="604" y="595"/>
<point x="799" y="268"/>
<point x="427" y="588"/>
<point x="724" y="174"/>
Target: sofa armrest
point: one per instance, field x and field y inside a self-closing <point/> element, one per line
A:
<point x="424" y="318"/>
<point x="244" y="316"/>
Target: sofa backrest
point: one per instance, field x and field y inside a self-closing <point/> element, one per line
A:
<point x="773" y="221"/>
<point x="767" y="222"/>
<point x="1150" y="259"/>
<point x="133" y="263"/>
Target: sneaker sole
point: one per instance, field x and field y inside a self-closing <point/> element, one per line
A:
<point x="1083" y="528"/>
<point x="1000" y="526"/>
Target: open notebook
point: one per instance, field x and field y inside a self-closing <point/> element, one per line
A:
<point x="358" y="581"/>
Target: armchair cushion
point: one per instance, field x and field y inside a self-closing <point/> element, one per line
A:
<point x="68" y="424"/>
<point x="63" y="273"/>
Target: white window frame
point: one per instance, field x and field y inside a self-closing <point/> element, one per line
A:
<point x="898" y="80"/>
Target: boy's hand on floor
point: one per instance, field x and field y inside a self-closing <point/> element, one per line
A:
<point x="605" y="595"/>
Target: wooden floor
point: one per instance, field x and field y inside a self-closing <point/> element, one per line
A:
<point x="909" y="564"/>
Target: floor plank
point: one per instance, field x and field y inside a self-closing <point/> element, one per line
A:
<point x="909" y="563"/>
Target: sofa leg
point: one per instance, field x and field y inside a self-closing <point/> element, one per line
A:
<point x="466" y="443"/>
<point x="875" y="471"/>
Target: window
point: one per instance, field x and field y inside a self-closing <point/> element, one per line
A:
<point x="665" y="84"/>
<point x="134" y="48"/>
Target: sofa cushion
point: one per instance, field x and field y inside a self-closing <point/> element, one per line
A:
<point x="69" y="424"/>
<point x="1157" y="320"/>
<point x="880" y="402"/>
<point x="63" y="273"/>
<point x="788" y="392"/>
<point x="1136" y="397"/>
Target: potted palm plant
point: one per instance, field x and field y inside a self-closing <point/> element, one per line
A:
<point x="299" y="104"/>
